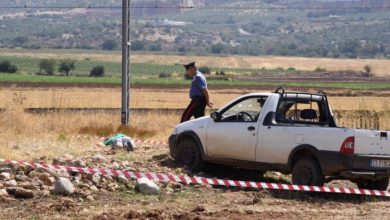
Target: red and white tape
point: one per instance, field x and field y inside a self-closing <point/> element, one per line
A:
<point x="150" y="142"/>
<point x="201" y="180"/>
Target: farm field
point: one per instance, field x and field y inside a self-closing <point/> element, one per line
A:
<point x="381" y="67"/>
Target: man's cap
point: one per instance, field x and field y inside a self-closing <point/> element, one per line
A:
<point x="187" y="66"/>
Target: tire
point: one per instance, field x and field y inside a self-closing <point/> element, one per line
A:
<point x="374" y="184"/>
<point x="188" y="155"/>
<point x="307" y="171"/>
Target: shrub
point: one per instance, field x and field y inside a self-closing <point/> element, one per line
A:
<point x="48" y="66"/>
<point x="109" y="45"/>
<point x="97" y="71"/>
<point x="368" y="69"/>
<point x="7" y="67"/>
<point x="66" y="66"/>
<point x="205" y="70"/>
<point x="320" y="69"/>
<point x="164" y="75"/>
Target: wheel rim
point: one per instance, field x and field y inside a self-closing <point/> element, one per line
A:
<point x="188" y="156"/>
<point x="305" y="176"/>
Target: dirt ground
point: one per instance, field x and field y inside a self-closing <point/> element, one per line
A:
<point x="194" y="202"/>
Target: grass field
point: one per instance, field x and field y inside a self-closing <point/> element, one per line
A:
<point x="381" y="67"/>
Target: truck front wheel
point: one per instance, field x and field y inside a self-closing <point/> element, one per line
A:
<point x="306" y="171"/>
<point x="188" y="154"/>
<point x="374" y="184"/>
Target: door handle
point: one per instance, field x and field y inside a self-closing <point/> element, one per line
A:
<point x="251" y="128"/>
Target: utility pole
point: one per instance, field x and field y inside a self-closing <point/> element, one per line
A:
<point x="125" y="62"/>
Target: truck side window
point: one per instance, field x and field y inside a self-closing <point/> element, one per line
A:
<point x="300" y="111"/>
<point x="247" y="110"/>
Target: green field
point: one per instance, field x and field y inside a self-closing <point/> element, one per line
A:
<point x="18" y="78"/>
<point x="29" y="65"/>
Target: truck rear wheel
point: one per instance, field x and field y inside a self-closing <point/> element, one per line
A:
<point x="374" y="184"/>
<point x="307" y="171"/>
<point x="188" y="154"/>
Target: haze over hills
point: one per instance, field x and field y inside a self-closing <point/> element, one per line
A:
<point x="311" y="28"/>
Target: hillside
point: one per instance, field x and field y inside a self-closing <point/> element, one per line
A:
<point x="314" y="28"/>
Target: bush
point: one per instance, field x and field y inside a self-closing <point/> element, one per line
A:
<point x="109" y="45"/>
<point x="164" y="75"/>
<point x="47" y="65"/>
<point x="7" y="67"/>
<point x="66" y="66"/>
<point x="97" y="71"/>
<point x="205" y="70"/>
<point x="320" y="69"/>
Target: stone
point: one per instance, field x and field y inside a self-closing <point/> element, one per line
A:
<point x="98" y="158"/>
<point x="48" y="171"/>
<point x="79" y="163"/>
<point x="122" y="179"/>
<point x="5" y="176"/>
<point x="43" y="193"/>
<point x="59" y="161"/>
<point x="20" y="193"/>
<point x="21" y="178"/>
<point x="115" y="165"/>
<point x="144" y="185"/>
<point x="95" y="178"/>
<point x="10" y="183"/>
<point x="93" y="188"/>
<point x="90" y="198"/>
<point x="3" y="192"/>
<point x="63" y="186"/>
<point x="47" y="179"/>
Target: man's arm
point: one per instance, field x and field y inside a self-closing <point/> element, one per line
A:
<point x="207" y="97"/>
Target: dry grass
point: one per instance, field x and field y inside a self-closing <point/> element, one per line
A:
<point x="153" y="98"/>
<point x="24" y="136"/>
<point x="380" y="67"/>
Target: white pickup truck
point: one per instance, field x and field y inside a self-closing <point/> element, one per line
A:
<point x="289" y="132"/>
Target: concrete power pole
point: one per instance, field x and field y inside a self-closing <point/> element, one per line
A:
<point x="125" y="62"/>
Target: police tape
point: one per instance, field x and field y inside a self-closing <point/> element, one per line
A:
<point x="196" y="180"/>
<point x="150" y="142"/>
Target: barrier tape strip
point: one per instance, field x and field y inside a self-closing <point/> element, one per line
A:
<point x="150" y="142"/>
<point x="188" y="180"/>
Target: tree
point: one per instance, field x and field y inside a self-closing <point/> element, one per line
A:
<point x="66" y="66"/>
<point x="97" y="71"/>
<point x="7" y="67"/>
<point x="205" y="70"/>
<point x="109" y="45"/>
<point x="47" y="65"/>
<point x="368" y="70"/>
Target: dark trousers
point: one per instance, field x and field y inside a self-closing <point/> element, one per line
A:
<point x="196" y="108"/>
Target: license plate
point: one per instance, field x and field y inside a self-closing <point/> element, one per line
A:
<point x="380" y="163"/>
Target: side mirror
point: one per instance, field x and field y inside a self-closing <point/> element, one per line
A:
<point x="215" y="116"/>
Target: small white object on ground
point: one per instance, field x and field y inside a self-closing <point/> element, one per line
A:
<point x="144" y="185"/>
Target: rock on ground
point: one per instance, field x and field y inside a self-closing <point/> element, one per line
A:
<point x="63" y="186"/>
<point x="20" y="193"/>
<point x="5" y="176"/>
<point x="144" y="185"/>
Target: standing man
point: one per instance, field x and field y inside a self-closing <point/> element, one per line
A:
<point x="199" y="94"/>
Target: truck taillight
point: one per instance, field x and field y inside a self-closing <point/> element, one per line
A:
<point x="348" y="146"/>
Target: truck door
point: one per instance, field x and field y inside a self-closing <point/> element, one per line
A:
<point x="234" y="136"/>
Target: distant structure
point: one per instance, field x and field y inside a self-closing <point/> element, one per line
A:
<point x="167" y="22"/>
